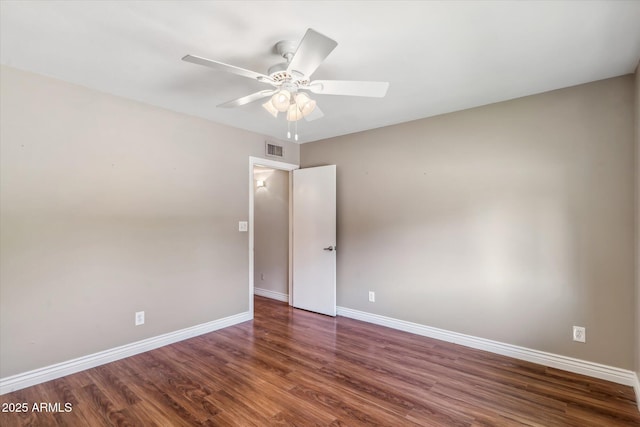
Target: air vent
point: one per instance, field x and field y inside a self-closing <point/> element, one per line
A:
<point x="273" y="150"/>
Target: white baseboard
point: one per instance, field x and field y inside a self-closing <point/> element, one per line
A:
<point x="37" y="376"/>
<point x="271" y="294"/>
<point x="596" y="370"/>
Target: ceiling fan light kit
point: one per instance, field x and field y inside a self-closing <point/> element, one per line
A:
<point x="292" y="77"/>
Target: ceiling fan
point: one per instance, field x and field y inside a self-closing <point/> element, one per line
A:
<point x="292" y="78"/>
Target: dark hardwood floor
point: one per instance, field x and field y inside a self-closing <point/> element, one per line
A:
<point x="292" y="367"/>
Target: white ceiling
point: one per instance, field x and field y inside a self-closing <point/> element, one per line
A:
<point x="438" y="56"/>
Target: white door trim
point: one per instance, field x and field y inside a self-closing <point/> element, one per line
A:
<point x="258" y="161"/>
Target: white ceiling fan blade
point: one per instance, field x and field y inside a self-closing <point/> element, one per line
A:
<point x="312" y="50"/>
<point x="347" y="87"/>
<point x="220" y="66"/>
<point x="247" y="99"/>
<point x="314" y="115"/>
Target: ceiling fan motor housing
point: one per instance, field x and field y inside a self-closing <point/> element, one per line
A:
<point x="279" y="72"/>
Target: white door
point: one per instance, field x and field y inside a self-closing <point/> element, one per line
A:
<point x="314" y="239"/>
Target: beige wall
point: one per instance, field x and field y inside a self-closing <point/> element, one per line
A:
<point x="271" y="231"/>
<point x="510" y="222"/>
<point x="108" y="207"/>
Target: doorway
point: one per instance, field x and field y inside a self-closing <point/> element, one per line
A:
<point x="269" y="170"/>
<point x="314" y="227"/>
<point x="271" y="233"/>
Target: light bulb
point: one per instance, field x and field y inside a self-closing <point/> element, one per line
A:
<point x="281" y="100"/>
<point x="296" y="137"/>
<point x="289" y="134"/>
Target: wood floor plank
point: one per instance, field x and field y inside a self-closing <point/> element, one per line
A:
<point x="295" y="368"/>
<point x="354" y="406"/>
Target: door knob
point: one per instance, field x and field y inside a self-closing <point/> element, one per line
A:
<point x="330" y="248"/>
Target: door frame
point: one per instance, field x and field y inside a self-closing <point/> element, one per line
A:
<point x="289" y="167"/>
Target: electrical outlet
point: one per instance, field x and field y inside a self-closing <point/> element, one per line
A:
<point x="261" y="276"/>
<point x="139" y="318"/>
<point x="579" y="334"/>
<point x="372" y="296"/>
<point x="243" y="226"/>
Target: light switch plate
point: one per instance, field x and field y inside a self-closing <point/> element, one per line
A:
<point x="243" y="226"/>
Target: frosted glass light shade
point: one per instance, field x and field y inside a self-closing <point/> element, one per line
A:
<point x="281" y="100"/>
<point x="270" y="108"/>
<point x="305" y="104"/>
<point x="294" y="113"/>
